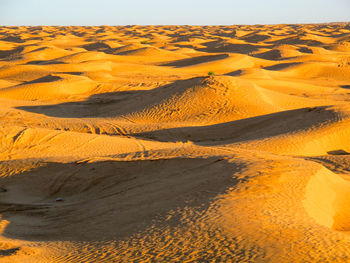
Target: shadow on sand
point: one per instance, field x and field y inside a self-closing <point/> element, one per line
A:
<point x="253" y="128"/>
<point x="109" y="200"/>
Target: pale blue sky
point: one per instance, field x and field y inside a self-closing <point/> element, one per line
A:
<point x="180" y="12"/>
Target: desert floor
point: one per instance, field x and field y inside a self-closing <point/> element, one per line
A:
<point x="175" y="144"/>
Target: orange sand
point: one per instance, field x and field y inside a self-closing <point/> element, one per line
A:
<point x="158" y="162"/>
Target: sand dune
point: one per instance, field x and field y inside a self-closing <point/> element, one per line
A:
<point x="175" y="143"/>
<point x="53" y="86"/>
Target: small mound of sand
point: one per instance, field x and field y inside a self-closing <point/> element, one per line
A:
<point x="50" y="87"/>
<point x="331" y="207"/>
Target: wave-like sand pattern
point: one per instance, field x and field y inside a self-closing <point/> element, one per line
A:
<point x="175" y="143"/>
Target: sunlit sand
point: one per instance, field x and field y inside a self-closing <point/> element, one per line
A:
<point x="175" y="143"/>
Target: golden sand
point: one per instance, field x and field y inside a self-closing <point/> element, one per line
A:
<point x="175" y="144"/>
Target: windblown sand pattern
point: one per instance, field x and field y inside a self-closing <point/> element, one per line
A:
<point x="116" y="145"/>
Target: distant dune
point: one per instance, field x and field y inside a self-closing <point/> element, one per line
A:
<point x="175" y="143"/>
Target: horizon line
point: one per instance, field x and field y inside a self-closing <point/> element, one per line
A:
<point x="121" y="25"/>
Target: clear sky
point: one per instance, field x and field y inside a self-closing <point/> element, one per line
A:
<point x="179" y="12"/>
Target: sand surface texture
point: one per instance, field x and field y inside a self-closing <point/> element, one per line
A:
<point x="116" y="145"/>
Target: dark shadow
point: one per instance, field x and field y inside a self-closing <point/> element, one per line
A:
<point x="337" y="163"/>
<point x="282" y="66"/>
<point x="11" y="54"/>
<point x="196" y="60"/>
<point x="184" y="38"/>
<point x="338" y="152"/>
<point x="253" y="128"/>
<point x="76" y="73"/>
<point x="34" y="38"/>
<point x="38" y="49"/>
<point x="235" y="73"/>
<point x="345" y="86"/>
<point x="271" y="55"/>
<point x="99" y="105"/>
<point x="8" y="252"/>
<point x="14" y="39"/>
<point x="305" y="50"/>
<point x="128" y="52"/>
<point x="102" y="47"/>
<point x="111" y="199"/>
<point x="48" y="78"/>
<point x="35" y="29"/>
<point x="78" y="34"/>
<point x="185" y="46"/>
<point x="296" y="41"/>
<point x="44" y="62"/>
<point x="220" y="46"/>
<point x="98" y="46"/>
<point x="255" y="38"/>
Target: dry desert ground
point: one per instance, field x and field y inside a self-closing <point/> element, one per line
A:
<point x="175" y="143"/>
